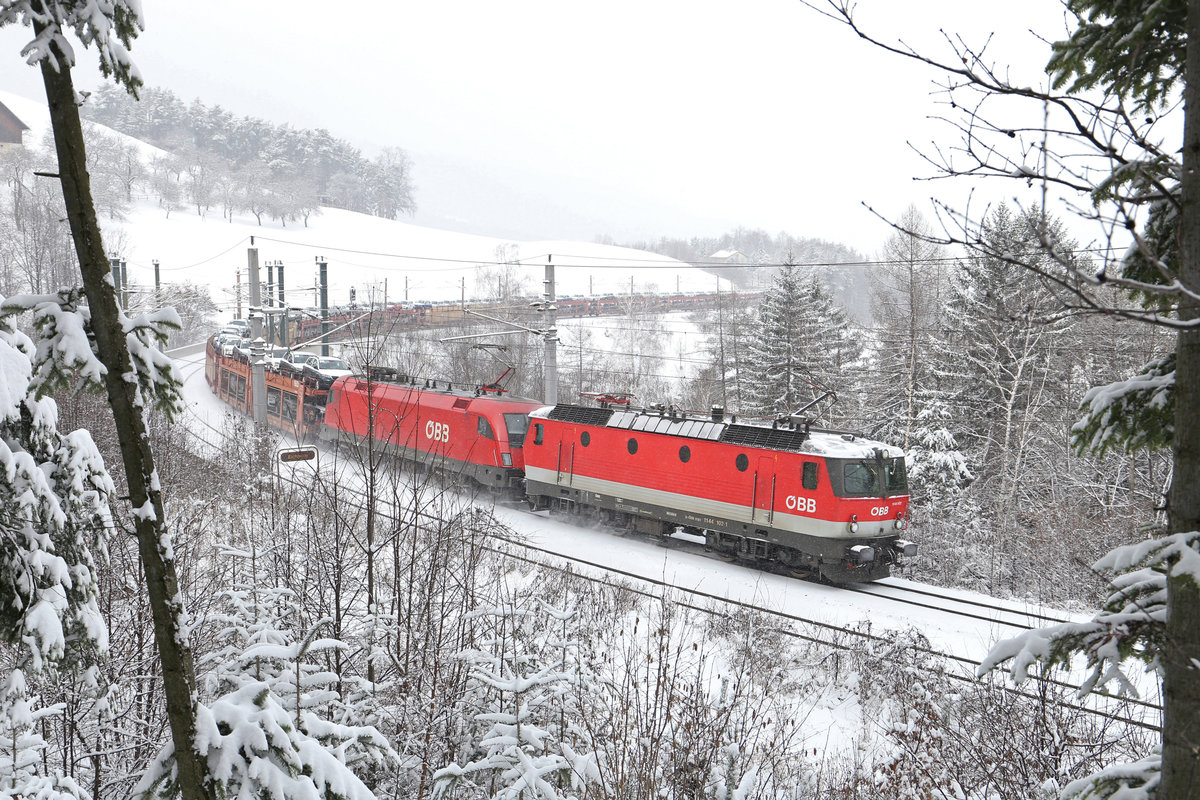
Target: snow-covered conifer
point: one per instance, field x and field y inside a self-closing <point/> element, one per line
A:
<point x="522" y="674"/>
<point x="803" y="345"/>
<point x="21" y="746"/>
<point x="270" y="731"/>
<point x="53" y="507"/>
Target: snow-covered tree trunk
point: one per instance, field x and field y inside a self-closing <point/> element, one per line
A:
<point x="128" y="412"/>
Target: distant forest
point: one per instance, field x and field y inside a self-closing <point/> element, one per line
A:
<point x="766" y="254"/>
<point x="292" y="171"/>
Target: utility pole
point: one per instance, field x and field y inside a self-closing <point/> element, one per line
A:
<point x="548" y="314"/>
<point x="323" y="277"/>
<point x="721" y="343"/>
<point x="116" y="275"/>
<point x="270" y="293"/>
<point x="157" y="284"/>
<point x="258" y="366"/>
<point x="284" y="333"/>
<point x="238" y="292"/>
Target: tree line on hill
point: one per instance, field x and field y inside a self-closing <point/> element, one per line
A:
<point x="215" y="159"/>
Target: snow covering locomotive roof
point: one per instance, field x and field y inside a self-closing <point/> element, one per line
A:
<point x="833" y="444"/>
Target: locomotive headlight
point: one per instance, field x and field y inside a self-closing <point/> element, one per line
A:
<point x="901" y="524"/>
<point x="854" y="523"/>
<point x="506" y="459"/>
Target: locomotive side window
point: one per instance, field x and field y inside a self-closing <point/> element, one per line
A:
<point x="537" y="433"/>
<point x="585" y="438"/>
<point x="741" y="462"/>
<point x="631" y="446"/>
<point x="485" y="428"/>
<point x="685" y="454"/>
<point x="808" y="477"/>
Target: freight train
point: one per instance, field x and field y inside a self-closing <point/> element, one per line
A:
<point x="819" y="502"/>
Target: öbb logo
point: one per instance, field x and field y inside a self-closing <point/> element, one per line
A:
<point x="437" y="431"/>
<point x="805" y="505"/>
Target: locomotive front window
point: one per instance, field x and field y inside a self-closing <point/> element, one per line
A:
<point x="861" y="479"/>
<point x="518" y="426"/>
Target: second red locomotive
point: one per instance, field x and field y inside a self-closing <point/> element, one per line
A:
<point x="469" y="432"/>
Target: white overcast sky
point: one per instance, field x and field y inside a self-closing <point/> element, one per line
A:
<point x="628" y="117"/>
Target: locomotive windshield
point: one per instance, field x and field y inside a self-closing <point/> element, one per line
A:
<point x="869" y="477"/>
<point x="518" y="426"/>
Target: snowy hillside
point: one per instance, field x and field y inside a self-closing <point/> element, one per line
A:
<point x="370" y="254"/>
<point x="375" y="255"/>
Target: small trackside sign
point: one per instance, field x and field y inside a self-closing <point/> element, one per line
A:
<point x="297" y="454"/>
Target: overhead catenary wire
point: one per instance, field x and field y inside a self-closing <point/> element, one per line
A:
<point x="575" y="260"/>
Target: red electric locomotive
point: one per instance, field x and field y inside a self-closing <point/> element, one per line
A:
<point x="472" y="432"/>
<point x="823" y="502"/>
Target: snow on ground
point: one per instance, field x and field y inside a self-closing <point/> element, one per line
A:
<point x="678" y="345"/>
<point x="36" y="115"/>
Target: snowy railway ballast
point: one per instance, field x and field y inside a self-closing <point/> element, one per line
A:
<point x="825" y="503"/>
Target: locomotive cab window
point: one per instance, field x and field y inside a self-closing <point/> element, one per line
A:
<point x="485" y="428"/>
<point x="518" y="426"/>
<point x="895" y="475"/>
<point x="861" y="479"/>
<point x="537" y="433"/>
<point x="808" y="476"/>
